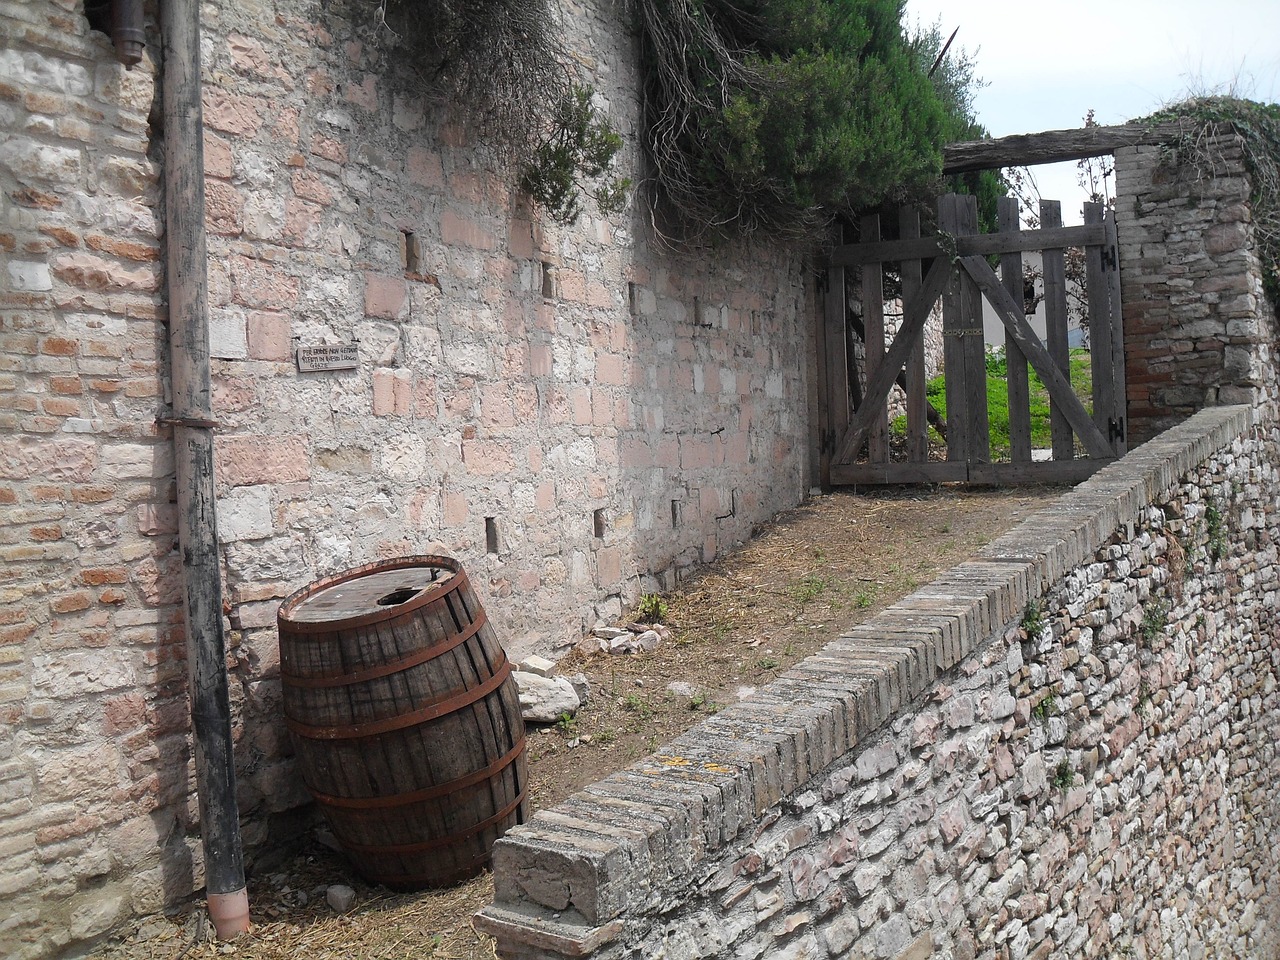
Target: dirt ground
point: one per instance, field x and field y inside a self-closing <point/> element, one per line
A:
<point x="808" y="575"/>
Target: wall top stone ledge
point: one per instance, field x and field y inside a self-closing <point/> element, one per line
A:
<point x="563" y="880"/>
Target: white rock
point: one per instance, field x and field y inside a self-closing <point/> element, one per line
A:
<point x="581" y="686"/>
<point x="647" y="641"/>
<point x="341" y="898"/>
<point x="623" y="643"/>
<point x="680" y="688"/>
<point x="539" y="665"/>
<point x="608" y="633"/>
<point x="545" y="699"/>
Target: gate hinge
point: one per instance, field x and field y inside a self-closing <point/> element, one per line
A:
<point x="827" y="444"/>
<point x="1115" y="429"/>
<point x="1110" y="259"/>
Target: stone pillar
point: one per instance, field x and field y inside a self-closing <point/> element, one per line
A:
<point x="1198" y="328"/>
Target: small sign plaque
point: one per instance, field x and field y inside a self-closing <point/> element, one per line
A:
<point x="328" y="356"/>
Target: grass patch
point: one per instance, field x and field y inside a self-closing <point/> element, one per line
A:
<point x="998" y="401"/>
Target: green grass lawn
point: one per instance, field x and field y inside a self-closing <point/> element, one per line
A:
<point x="998" y="401"/>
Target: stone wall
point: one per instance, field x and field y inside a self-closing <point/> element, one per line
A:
<point x="1198" y="328"/>
<point x="578" y="413"/>
<point x="1066" y="747"/>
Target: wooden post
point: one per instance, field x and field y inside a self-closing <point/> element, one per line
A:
<point x="873" y="342"/>
<point x="1120" y="409"/>
<point x="975" y="351"/>
<point x="192" y="420"/>
<point x="1016" y="383"/>
<point x="1055" y="312"/>
<point x="917" y="401"/>
<point x="1099" y="328"/>
<point x="952" y="340"/>
<point x="837" y="358"/>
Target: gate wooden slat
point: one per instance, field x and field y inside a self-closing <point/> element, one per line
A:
<point x="1058" y="385"/>
<point x="964" y="280"/>
<point x="873" y="339"/>
<point x="1055" y="312"/>
<point x="1017" y="385"/>
<point x="917" y="400"/>
<point x="974" y="347"/>
<point x="936" y="471"/>
<point x="914" y="316"/>
<point x="836" y="349"/>
<point x="979" y="244"/>
<point x="1104" y="393"/>
<point x="1111" y="264"/>
<point x="952" y="342"/>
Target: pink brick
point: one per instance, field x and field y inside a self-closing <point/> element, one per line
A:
<point x="520" y="240"/>
<point x="636" y="453"/>
<point x="309" y="185"/>
<point x="424" y="167"/>
<point x="217" y="157"/>
<point x="540" y="361"/>
<point x="364" y="94"/>
<point x="247" y="460"/>
<point x="611" y="369"/>
<point x="392" y="393"/>
<point x="224" y="207"/>
<point x="580" y="397"/>
<point x="269" y="335"/>
<point x="486" y="458"/>
<point x="96" y="273"/>
<point x="609" y="566"/>
<point x="233" y="113"/>
<point x="601" y="408"/>
<point x="259" y="283"/>
<point x="155" y="519"/>
<point x="455" y="509"/>
<point x="424" y="398"/>
<point x="301" y="222"/>
<point x="698" y="453"/>
<point x="384" y="296"/>
<point x="495" y="407"/>
<point x="456" y="231"/>
<point x="545" y="496"/>
<point x="26" y="457"/>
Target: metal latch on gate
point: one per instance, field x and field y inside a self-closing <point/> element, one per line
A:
<point x="1115" y="429"/>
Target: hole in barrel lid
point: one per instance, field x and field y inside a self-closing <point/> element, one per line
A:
<point x="398" y="596"/>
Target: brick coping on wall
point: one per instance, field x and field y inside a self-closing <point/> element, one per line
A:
<point x="564" y="881"/>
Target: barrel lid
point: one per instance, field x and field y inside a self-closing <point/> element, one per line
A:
<point x="379" y="591"/>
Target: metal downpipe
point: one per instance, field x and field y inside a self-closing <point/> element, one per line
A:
<point x="192" y="422"/>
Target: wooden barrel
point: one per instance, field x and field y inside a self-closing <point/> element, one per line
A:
<point x="405" y="718"/>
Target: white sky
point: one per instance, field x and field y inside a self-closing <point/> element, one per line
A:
<point x="1046" y="63"/>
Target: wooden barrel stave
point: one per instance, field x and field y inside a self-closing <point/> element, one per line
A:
<point x="446" y="836"/>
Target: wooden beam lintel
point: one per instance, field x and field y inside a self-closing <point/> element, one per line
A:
<point x="979" y="245"/>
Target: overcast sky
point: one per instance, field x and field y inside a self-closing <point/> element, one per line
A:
<point x="1046" y="66"/>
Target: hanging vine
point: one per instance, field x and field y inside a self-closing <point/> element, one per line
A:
<point x="1258" y="126"/>
<point x="499" y="68"/>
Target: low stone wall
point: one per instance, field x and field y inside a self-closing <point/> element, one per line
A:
<point x="1064" y="747"/>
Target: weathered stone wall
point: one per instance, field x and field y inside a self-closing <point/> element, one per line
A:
<point x="1066" y="747"/>
<point x="576" y="413"/>
<point x="1198" y="328"/>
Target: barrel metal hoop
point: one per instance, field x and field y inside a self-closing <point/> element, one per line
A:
<point x="373" y="728"/>
<point x="435" y="843"/>
<point x="393" y="800"/>
<point x="457" y="580"/>
<point x="385" y="669"/>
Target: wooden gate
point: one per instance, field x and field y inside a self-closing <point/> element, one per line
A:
<point x="858" y="446"/>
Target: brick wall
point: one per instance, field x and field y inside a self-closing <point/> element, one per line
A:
<point x="526" y="387"/>
<point x="960" y="778"/>
<point x="1198" y="328"/>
